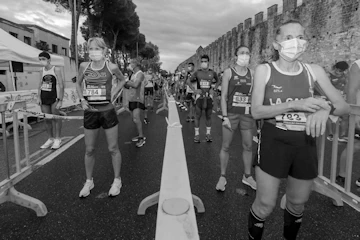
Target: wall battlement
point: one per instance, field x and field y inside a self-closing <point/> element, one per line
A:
<point x="332" y="27"/>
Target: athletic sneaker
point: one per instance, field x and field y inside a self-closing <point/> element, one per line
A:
<point x="192" y="119"/>
<point x="220" y="186"/>
<point x="343" y="139"/>
<point x="48" y="143"/>
<point x="330" y="137"/>
<point x="357" y="136"/>
<point x="141" y="142"/>
<point x="358" y="182"/>
<point x="340" y="180"/>
<point x="249" y="181"/>
<point x="85" y="191"/>
<point x="56" y="144"/>
<point x="197" y="138"/>
<point x="188" y="119"/>
<point x="146" y="121"/>
<point x="208" y="138"/>
<point x="115" y="187"/>
<point x="135" y="139"/>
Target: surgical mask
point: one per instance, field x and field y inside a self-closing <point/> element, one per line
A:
<point x="291" y="49"/>
<point x="204" y="65"/>
<point x="189" y="68"/>
<point x="243" y="60"/>
<point x="96" y="55"/>
<point x="44" y="62"/>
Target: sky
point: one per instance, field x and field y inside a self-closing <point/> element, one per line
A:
<point x="177" y="27"/>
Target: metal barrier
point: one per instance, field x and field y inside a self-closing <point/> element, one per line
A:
<point x="328" y="186"/>
<point x="176" y="215"/>
<point x="7" y="190"/>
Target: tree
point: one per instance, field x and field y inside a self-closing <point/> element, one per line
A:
<point x="42" y="46"/>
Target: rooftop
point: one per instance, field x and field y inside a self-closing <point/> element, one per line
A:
<point x="16" y="25"/>
<point x="43" y="29"/>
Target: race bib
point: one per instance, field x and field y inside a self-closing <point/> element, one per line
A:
<point x="46" y="87"/>
<point x="204" y="84"/>
<point x="95" y="92"/>
<point x="240" y="100"/>
<point x="294" y="121"/>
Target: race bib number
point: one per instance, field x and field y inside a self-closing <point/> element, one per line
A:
<point x="294" y="121"/>
<point x="46" y="87"/>
<point x="241" y="101"/>
<point x="204" y="84"/>
<point x="95" y="93"/>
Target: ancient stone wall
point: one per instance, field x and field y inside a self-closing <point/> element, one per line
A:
<point x="333" y="32"/>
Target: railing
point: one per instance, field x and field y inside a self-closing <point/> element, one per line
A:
<point x="176" y="215"/>
<point x="328" y="186"/>
<point x="7" y="190"/>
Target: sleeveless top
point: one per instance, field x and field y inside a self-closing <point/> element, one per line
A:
<point x="136" y="94"/>
<point x="239" y="92"/>
<point x="49" y="82"/>
<point x="283" y="87"/>
<point x="188" y="89"/>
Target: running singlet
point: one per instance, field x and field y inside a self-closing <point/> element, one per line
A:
<point x="284" y="87"/>
<point x="204" y="79"/>
<point x="182" y="81"/>
<point x="239" y="93"/>
<point x="136" y="94"/>
<point x="98" y="83"/>
<point x="48" y="85"/>
<point x="188" y="89"/>
<point x="149" y="78"/>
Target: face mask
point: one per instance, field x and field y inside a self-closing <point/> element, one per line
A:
<point x="204" y="65"/>
<point x="43" y="62"/>
<point x="292" y="49"/>
<point x="189" y="68"/>
<point x="243" y="60"/>
<point x="96" y="55"/>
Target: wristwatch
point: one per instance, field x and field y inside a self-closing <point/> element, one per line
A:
<point x="82" y="99"/>
<point x="58" y="100"/>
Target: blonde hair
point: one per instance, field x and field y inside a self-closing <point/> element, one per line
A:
<point x="98" y="41"/>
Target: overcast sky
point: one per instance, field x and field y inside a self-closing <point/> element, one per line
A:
<point x="177" y="27"/>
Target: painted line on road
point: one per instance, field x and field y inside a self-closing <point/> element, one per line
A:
<point x="58" y="152"/>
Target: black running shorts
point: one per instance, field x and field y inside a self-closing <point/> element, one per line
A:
<point x="149" y="91"/>
<point x="48" y="101"/>
<point x="135" y="105"/>
<point x="105" y="119"/>
<point x="284" y="153"/>
<point x="200" y="103"/>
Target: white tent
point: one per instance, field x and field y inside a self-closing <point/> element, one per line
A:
<point x="12" y="49"/>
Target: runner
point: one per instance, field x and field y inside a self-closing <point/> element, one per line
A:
<point x="204" y="77"/>
<point x="292" y="118"/>
<point x="237" y="85"/>
<point x="353" y="97"/>
<point x="218" y="93"/>
<point x="190" y="98"/>
<point x="99" y="111"/>
<point x="149" y="93"/>
<point x="182" y="81"/>
<point x="137" y="99"/>
<point x="50" y="97"/>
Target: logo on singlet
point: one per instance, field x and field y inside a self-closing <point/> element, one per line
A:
<point x="277" y="89"/>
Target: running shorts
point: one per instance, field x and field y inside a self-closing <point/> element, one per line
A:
<point x="246" y="122"/>
<point x="105" y="119"/>
<point x="284" y="153"/>
<point x="135" y="105"/>
<point x="149" y="91"/>
<point x="48" y="101"/>
<point x="200" y="103"/>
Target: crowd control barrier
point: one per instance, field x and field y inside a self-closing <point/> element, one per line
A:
<point x="176" y="215"/>
<point x="7" y="191"/>
<point x="328" y="186"/>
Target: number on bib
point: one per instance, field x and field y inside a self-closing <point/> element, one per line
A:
<point x="46" y="87"/>
<point x="240" y="100"/>
<point x="294" y="121"/>
<point x="204" y="84"/>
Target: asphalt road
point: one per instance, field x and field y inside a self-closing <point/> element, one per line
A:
<point x="58" y="183"/>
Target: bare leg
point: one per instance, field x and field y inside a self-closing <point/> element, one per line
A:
<point x="90" y="141"/>
<point x="112" y="139"/>
<point x="48" y="122"/>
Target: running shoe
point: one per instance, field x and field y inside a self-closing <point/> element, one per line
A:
<point x="197" y="138"/>
<point x="85" y="191"/>
<point x="146" y="121"/>
<point x="357" y="136"/>
<point x="193" y="119"/>
<point x="249" y="181"/>
<point x="343" y="139"/>
<point x="115" y="187"/>
<point x="358" y="182"/>
<point x="220" y="186"/>
<point x="330" y="137"/>
<point x="48" y="143"/>
<point x="56" y="144"/>
<point x="208" y="138"/>
<point x="340" y="180"/>
<point x="188" y="119"/>
<point x="141" y="142"/>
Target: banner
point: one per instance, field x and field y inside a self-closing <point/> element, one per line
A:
<point x="31" y="96"/>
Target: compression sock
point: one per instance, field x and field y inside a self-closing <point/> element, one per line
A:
<point x="292" y="223"/>
<point x="255" y="226"/>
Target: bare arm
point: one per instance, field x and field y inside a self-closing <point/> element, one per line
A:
<point x="80" y="79"/>
<point x="60" y="80"/>
<point x="119" y="77"/>
<point x="224" y="91"/>
<point x="191" y="80"/>
<point x="341" y="107"/>
<point x="353" y="85"/>
<point x="137" y="82"/>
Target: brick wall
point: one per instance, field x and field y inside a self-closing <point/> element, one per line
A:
<point x="332" y="28"/>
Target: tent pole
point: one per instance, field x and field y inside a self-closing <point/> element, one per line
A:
<point x="12" y="75"/>
<point x="75" y="36"/>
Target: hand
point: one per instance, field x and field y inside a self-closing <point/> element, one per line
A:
<point x="309" y="105"/>
<point x="126" y="86"/>
<point x="226" y="123"/>
<point x="38" y="101"/>
<point x="85" y="105"/>
<point x="58" y="104"/>
<point x="316" y="123"/>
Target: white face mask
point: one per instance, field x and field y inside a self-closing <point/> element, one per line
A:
<point x="189" y="69"/>
<point x="96" y="55"/>
<point x="292" y="49"/>
<point x="204" y="65"/>
<point x="243" y="60"/>
<point x="44" y="63"/>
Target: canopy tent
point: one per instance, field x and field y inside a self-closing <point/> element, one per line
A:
<point x="12" y="49"/>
